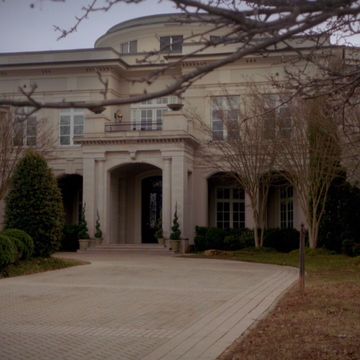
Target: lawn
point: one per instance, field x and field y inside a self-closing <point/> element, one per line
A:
<point x="322" y="324"/>
<point x="37" y="265"/>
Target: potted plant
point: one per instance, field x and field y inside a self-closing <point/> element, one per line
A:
<point x="175" y="233"/>
<point x="98" y="232"/>
<point x="159" y="232"/>
<point x="84" y="238"/>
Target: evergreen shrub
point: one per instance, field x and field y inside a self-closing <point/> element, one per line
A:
<point x="83" y="227"/>
<point x="23" y="242"/>
<point x="8" y="251"/>
<point x="34" y="204"/>
<point x="70" y="238"/>
<point x="282" y="240"/>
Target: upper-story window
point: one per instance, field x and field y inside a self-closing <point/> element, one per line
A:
<point x="171" y="44"/>
<point x="148" y="115"/>
<point x="225" y="114"/>
<point x="71" y="125"/>
<point x="277" y="118"/>
<point x="25" y="129"/>
<point x="129" y="47"/>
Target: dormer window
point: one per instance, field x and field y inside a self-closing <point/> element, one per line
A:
<point x="171" y="44"/>
<point x="129" y="47"/>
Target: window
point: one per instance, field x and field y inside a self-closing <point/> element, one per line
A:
<point x="286" y="207"/>
<point x="71" y="125"/>
<point x="277" y="118"/>
<point x="25" y="129"/>
<point x="148" y="114"/>
<point x="171" y="44"/>
<point x="129" y="47"/>
<point x="225" y="116"/>
<point x="230" y="208"/>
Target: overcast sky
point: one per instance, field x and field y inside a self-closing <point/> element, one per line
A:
<point x="31" y="29"/>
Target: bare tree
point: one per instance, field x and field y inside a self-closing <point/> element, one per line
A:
<point x="250" y="27"/>
<point x="310" y="157"/>
<point x="242" y="145"/>
<point x="20" y="131"/>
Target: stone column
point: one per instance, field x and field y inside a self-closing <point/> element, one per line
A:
<point x="89" y="191"/>
<point x="166" y="197"/>
<point x="100" y="193"/>
<point x="179" y="191"/>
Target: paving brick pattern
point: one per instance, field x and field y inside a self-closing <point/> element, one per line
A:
<point x="135" y="306"/>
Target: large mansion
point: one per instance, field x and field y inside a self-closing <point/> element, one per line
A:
<point x="133" y="164"/>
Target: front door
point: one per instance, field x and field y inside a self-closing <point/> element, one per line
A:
<point x="151" y="207"/>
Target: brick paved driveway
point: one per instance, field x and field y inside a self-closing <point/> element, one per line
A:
<point x="135" y="306"/>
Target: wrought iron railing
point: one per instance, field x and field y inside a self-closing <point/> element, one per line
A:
<point x="131" y="126"/>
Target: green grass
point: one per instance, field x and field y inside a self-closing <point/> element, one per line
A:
<point x="37" y="265"/>
<point x="318" y="262"/>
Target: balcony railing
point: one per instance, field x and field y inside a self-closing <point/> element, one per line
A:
<point x="131" y="126"/>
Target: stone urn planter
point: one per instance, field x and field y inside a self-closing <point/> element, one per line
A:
<point x="175" y="107"/>
<point x="167" y="244"/>
<point x="175" y="245"/>
<point x="184" y="246"/>
<point x="98" y="241"/>
<point x="84" y="244"/>
<point x="92" y="243"/>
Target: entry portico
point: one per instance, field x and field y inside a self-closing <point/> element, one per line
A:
<point x="131" y="184"/>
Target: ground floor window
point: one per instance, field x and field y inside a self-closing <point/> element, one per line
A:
<point x="286" y="207"/>
<point x="230" y="208"/>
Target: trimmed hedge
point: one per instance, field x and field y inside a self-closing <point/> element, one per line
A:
<point x="70" y="238"/>
<point x="215" y="238"/>
<point x="23" y="242"/>
<point x="8" y="251"/>
<point x="282" y="240"/>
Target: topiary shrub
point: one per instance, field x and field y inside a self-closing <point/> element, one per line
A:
<point x="23" y="242"/>
<point x="70" y="238"/>
<point x="98" y="232"/>
<point x="282" y="240"/>
<point x="8" y="251"/>
<point x="175" y="229"/>
<point x="83" y="227"/>
<point x="34" y="204"/>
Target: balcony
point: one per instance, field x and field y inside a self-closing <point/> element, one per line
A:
<point x="175" y="126"/>
<point x="132" y="126"/>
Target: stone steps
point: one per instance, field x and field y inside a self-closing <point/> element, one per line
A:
<point x="115" y="248"/>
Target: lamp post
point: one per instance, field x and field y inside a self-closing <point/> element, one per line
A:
<point x="302" y="259"/>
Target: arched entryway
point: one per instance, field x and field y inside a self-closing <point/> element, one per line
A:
<point x="280" y="205"/>
<point x="71" y="190"/>
<point x="135" y="203"/>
